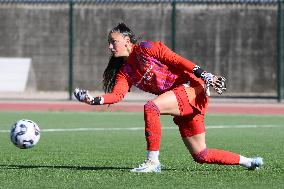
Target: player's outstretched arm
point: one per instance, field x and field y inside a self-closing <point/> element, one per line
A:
<point x="83" y="95"/>
<point x="167" y="56"/>
<point x="118" y="92"/>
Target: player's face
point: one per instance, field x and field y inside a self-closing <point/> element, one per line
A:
<point x="119" y="45"/>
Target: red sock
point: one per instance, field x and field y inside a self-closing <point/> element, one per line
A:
<point x="153" y="129"/>
<point x="216" y="156"/>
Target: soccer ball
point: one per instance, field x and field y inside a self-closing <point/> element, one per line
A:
<point x="25" y="134"/>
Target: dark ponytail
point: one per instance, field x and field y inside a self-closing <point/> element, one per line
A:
<point x="115" y="63"/>
<point x="110" y="73"/>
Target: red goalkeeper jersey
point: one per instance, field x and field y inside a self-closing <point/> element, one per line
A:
<point x="152" y="67"/>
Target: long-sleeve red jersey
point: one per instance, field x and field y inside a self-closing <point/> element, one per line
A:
<point x="152" y="67"/>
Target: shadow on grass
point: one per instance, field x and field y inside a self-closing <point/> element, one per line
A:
<point x="62" y="167"/>
<point x="70" y="167"/>
<point x="101" y="168"/>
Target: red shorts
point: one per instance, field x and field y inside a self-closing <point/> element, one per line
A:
<point x="191" y="119"/>
<point x="190" y="125"/>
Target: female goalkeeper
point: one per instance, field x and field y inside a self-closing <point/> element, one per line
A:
<point x="182" y="90"/>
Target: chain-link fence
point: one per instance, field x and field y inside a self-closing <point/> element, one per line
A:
<point x="66" y="41"/>
<point x="280" y="50"/>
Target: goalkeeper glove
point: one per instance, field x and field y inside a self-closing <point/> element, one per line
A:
<point x="217" y="82"/>
<point x="83" y="95"/>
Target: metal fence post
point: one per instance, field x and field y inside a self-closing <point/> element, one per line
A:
<point x="174" y="25"/>
<point x="71" y="45"/>
<point x="280" y="51"/>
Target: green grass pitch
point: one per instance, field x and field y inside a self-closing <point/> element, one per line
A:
<point x="102" y="155"/>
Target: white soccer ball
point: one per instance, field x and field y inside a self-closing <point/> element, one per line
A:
<point x="25" y="134"/>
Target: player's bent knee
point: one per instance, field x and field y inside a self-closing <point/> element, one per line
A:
<point x="150" y="106"/>
<point x="200" y="157"/>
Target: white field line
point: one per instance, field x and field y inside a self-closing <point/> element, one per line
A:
<point x="142" y="128"/>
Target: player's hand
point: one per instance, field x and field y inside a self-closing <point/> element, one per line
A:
<point x="217" y="82"/>
<point x="83" y="95"/>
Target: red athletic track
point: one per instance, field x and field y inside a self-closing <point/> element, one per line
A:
<point x="232" y="108"/>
